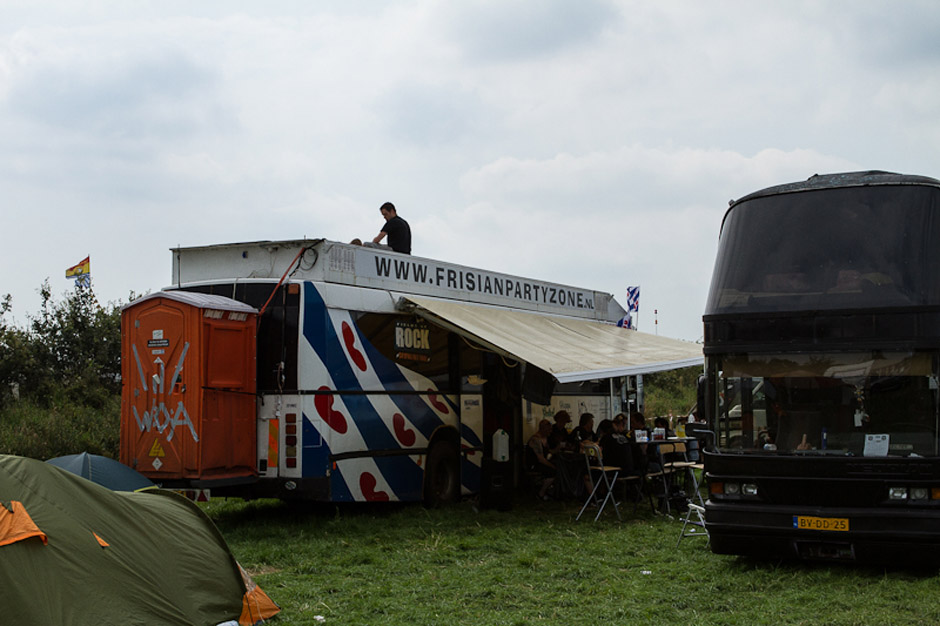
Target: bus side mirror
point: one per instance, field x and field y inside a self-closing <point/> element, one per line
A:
<point x="703" y="407"/>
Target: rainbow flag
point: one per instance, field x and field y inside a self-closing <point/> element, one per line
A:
<point x="82" y="268"/>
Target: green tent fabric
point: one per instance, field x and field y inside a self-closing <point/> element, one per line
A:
<point x="109" y="557"/>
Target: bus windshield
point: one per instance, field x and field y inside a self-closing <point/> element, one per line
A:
<point x="873" y="403"/>
<point x="847" y="248"/>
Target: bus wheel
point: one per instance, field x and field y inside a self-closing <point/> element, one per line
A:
<point x="442" y="475"/>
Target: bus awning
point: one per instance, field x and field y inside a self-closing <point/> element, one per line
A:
<point x="569" y="349"/>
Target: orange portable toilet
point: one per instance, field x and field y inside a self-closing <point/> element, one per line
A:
<point x="188" y="399"/>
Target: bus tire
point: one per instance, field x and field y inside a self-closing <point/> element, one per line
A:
<point x="442" y="475"/>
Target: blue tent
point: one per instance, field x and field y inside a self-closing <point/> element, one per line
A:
<point x="106" y="472"/>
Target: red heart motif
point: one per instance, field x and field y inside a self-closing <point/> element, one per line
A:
<point x="367" y="484"/>
<point x="437" y="404"/>
<point x="349" y="338"/>
<point x="405" y="435"/>
<point x="324" y="406"/>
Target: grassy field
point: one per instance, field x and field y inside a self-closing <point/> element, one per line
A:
<point x="404" y="564"/>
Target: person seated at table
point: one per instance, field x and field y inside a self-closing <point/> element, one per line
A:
<point x="620" y="423"/>
<point x="559" y="435"/>
<point x="584" y="431"/>
<point x="645" y="456"/>
<point x="536" y="454"/>
<point x="617" y="449"/>
<point x="662" y="422"/>
<point x="637" y="421"/>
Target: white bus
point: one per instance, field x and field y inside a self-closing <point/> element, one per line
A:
<point x="378" y="376"/>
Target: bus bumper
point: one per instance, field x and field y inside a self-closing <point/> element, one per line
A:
<point x="882" y="535"/>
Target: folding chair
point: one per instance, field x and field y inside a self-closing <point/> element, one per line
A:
<point x="693" y="524"/>
<point x="681" y="463"/>
<point x="601" y="476"/>
<point x="662" y="476"/>
<point x="698" y="469"/>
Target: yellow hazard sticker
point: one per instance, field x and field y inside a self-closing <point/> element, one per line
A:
<point x="156" y="449"/>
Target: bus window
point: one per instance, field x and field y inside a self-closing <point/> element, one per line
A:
<point x="828" y="403"/>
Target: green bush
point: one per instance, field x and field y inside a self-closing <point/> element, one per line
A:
<point x="60" y="377"/>
<point x="44" y="432"/>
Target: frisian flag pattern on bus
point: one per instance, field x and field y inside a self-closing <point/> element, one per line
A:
<point x="337" y="356"/>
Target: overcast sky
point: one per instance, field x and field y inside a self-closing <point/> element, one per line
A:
<point x="584" y="142"/>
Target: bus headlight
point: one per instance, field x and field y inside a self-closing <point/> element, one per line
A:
<point x="919" y="493"/>
<point x="897" y="493"/>
<point x="733" y="490"/>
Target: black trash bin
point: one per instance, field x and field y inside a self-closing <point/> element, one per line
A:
<point x="496" y="489"/>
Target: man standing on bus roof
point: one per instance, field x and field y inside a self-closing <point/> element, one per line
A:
<point x="397" y="229"/>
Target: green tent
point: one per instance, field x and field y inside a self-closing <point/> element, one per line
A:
<point x="73" y="552"/>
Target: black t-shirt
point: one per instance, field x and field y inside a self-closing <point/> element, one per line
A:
<point x="618" y="452"/>
<point x="580" y="434"/>
<point x="399" y="234"/>
<point x="558" y="436"/>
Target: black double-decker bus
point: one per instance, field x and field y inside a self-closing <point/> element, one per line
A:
<point x="822" y="386"/>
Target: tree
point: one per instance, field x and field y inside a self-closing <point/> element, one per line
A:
<point x="14" y="355"/>
<point x="60" y="382"/>
<point x="672" y="391"/>
<point x="72" y="350"/>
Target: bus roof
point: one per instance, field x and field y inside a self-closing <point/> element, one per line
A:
<point x="320" y="260"/>
<point x="845" y="179"/>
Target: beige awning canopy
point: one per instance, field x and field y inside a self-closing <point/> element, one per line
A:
<point x="569" y="349"/>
